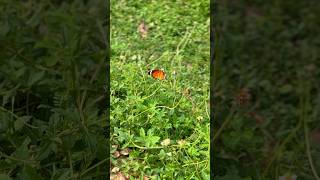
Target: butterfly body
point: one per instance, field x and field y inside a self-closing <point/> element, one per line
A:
<point x="157" y="74"/>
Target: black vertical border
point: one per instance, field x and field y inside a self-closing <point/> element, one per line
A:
<point x="108" y="54"/>
<point x="212" y="59"/>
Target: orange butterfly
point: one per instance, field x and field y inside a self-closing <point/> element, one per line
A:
<point x="157" y="74"/>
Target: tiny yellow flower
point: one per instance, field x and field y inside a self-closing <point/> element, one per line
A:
<point x="165" y="142"/>
<point x="199" y="118"/>
<point x="182" y="142"/>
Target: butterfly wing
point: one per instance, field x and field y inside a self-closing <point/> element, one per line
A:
<point x="158" y="74"/>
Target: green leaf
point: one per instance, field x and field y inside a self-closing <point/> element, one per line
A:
<point x="45" y="151"/>
<point x="193" y="151"/>
<point x="101" y="151"/>
<point x="30" y="173"/>
<point x="162" y="154"/>
<point x="287" y="88"/>
<point x="64" y="175"/>
<point x="152" y="140"/>
<point x="20" y="72"/>
<point x="142" y="132"/>
<point x="231" y="140"/>
<point x="91" y="141"/>
<point x="22" y="151"/>
<point x="68" y="142"/>
<point x="35" y="78"/>
<point x="228" y="177"/>
<point x="19" y="123"/>
<point x="4" y="177"/>
<point x="51" y="61"/>
<point x="150" y="132"/>
<point x="123" y="136"/>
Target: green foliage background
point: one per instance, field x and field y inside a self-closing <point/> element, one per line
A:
<point x="270" y="48"/>
<point x="52" y="74"/>
<point x="145" y="111"/>
<point x="52" y="79"/>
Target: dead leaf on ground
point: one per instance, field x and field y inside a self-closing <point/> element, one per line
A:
<point x="243" y="97"/>
<point x="310" y="67"/>
<point x="143" y="30"/>
<point x="119" y="176"/>
<point x="116" y="154"/>
<point x="125" y="152"/>
<point x="115" y="170"/>
<point x="256" y="117"/>
<point x="253" y="12"/>
<point x="315" y="136"/>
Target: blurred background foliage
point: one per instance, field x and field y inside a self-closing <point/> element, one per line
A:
<point x="52" y="79"/>
<point x="266" y="89"/>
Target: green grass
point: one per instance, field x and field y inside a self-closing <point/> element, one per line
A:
<point x="144" y="111"/>
<point x="269" y="48"/>
<point x="52" y="76"/>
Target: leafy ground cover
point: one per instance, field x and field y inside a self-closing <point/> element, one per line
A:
<point x="266" y="90"/>
<point x="160" y="129"/>
<point x="51" y="87"/>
